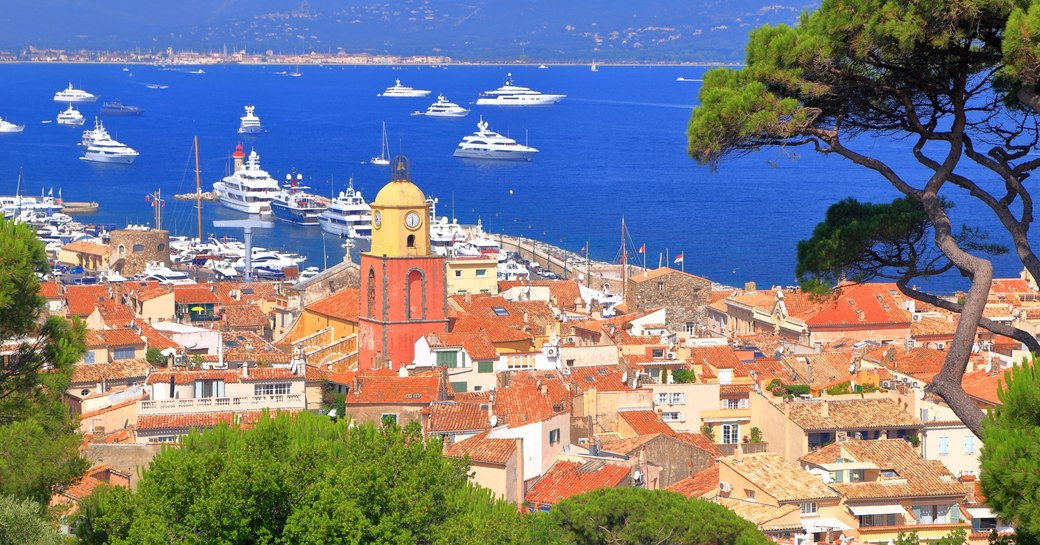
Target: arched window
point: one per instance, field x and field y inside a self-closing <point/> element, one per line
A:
<point x="121" y="252"/>
<point x="138" y="248"/>
<point x="161" y="247"/>
<point x="411" y="241"/>
<point x="415" y="296"/>
<point x="371" y="292"/>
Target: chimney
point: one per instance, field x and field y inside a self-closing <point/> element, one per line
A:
<point x="738" y="453"/>
<point x="245" y="369"/>
<point x="825" y="409"/>
<point x="750" y="286"/>
<point x="543" y="388"/>
<point x="808" y="370"/>
<point x="355" y="386"/>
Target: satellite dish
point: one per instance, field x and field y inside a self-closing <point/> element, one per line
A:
<point x="989" y="367"/>
<point x="332" y="412"/>
<point x="494" y="420"/>
<point x="920" y="394"/>
<point x="852" y="368"/>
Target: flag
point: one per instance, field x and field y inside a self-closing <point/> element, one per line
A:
<point x="678" y="258"/>
<point x="642" y="249"/>
<point x="583" y="248"/>
<point x="51" y="192"/>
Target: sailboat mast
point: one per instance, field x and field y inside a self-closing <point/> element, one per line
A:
<point x="624" y="263"/>
<point x="198" y="189"/>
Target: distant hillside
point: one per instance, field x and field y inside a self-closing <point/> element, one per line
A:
<point x="650" y="30"/>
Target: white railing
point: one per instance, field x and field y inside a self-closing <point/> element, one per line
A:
<point x="221" y="404"/>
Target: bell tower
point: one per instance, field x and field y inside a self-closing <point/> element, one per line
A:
<point x="403" y="287"/>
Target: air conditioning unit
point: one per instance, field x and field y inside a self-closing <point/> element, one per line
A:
<point x="551" y="351"/>
<point x="915" y="317"/>
<point x="671" y="355"/>
<point x="725" y="486"/>
<point x="886" y="384"/>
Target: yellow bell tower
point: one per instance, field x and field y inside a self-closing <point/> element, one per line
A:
<point x="400" y="214"/>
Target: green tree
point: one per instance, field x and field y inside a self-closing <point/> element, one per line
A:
<point x="623" y="516"/>
<point x="102" y="516"/>
<point x="1010" y="460"/>
<point x="39" y="445"/>
<point x="21" y="523"/>
<point x="957" y="79"/>
<point x="684" y="376"/>
<point x="155" y="356"/>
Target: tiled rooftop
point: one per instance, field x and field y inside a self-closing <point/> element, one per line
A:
<point x="645" y="422"/>
<point x="344" y="305"/>
<point x="454" y="417"/>
<point x="699" y="485"/>
<point x="124" y="369"/>
<point x="522" y="401"/>
<point x="851" y="414"/>
<point x="394" y="390"/>
<point x="915" y="477"/>
<point x="602" y="378"/>
<point x="565" y="479"/>
<point x="785" y="481"/>
<point x="481" y="449"/>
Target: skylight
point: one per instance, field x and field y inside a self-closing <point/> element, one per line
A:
<point x="500" y="311"/>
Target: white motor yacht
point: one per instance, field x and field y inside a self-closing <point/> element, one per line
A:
<point x="250" y="123"/>
<point x="70" y="116"/>
<point x="348" y="215"/>
<point x="444" y="108"/>
<point x="488" y="144"/>
<point x="164" y="275"/>
<point x="107" y="150"/>
<point x="403" y="91"/>
<point x="515" y="95"/>
<point x="295" y="205"/>
<point x="96" y="134"/>
<point x="71" y="94"/>
<point x="7" y="126"/>
<point x="444" y="232"/>
<point x="249" y="189"/>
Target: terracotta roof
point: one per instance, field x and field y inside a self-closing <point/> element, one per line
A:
<point x="522" y="402"/>
<point x="719" y="357"/>
<point x="1011" y="285"/>
<point x="189" y="376"/>
<point x="783" y="480"/>
<point x="602" y="378"/>
<point x="187" y="295"/>
<point x="149" y="292"/>
<point x="983" y="386"/>
<point x="81" y="300"/>
<point x="114" y="311"/>
<point x="123" y="369"/>
<point x="154" y="337"/>
<point x="244" y="315"/>
<point x="928" y="326"/>
<point x="121" y="337"/>
<point x="481" y="449"/>
<point x="861" y="304"/>
<point x="250" y="347"/>
<point x="566" y="479"/>
<point x="50" y="290"/>
<point x="199" y="420"/>
<point x="94" y="477"/>
<point x="270" y="373"/>
<point x="344" y="305"/>
<point x="851" y="414"/>
<point x="827" y="367"/>
<point x="495" y="330"/>
<point x="762" y="515"/>
<point x="93" y="339"/>
<point x="453" y="417"/>
<point x="756" y="299"/>
<point x="476" y="344"/>
<point x="247" y="293"/>
<point x="645" y="422"/>
<point x="84" y="247"/>
<point x="395" y="390"/>
<point x="699" y="485"/>
<point x="916" y="477"/>
<point x="700" y="441"/>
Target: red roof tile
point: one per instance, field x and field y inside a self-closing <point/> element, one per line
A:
<point x="453" y="417"/>
<point x="50" y="290"/>
<point x="602" y="378"/>
<point x="82" y="300"/>
<point x="700" y="441"/>
<point x="123" y="369"/>
<point x="861" y="304"/>
<point x="481" y="449"/>
<point x="476" y="344"/>
<point x="244" y="315"/>
<point x="189" y="376"/>
<point x="199" y="420"/>
<point x="395" y="390"/>
<point x="344" y="305"/>
<point x="121" y="337"/>
<point x="84" y="247"/>
<point x="645" y="421"/>
<point x="699" y="485"/>
<point x="522" y="402"/>
<point x="187" y="295"/>
<point x="566" y="479"/>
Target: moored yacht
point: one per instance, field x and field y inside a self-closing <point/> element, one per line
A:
<point x="444" y="232"/>
<point x="7" y="126"/>
<point x="249" y="188"/>
<point x="295" y="205"/>
<point x="70" y="116"/>
<point x="71" y="94"/>
<point x="488" y="144"/>
<point x="348" y="215"/>
<point x="515" y="95"/>
<point x="444" y="108"/>
<point x="118" y="108"/>
<point x="250" y="123"/>
<point x="107" y="150"/>
<point x="403" y="91"/>
<point x="96" y="134"/>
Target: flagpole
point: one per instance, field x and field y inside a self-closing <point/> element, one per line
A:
<point x="588" y="266"/>
<point x="682" y="264"/>
<point x="643" y="247"/>
<point x="660" y="259"/>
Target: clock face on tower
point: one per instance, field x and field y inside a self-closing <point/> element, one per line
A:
<point x="412" y="220"/>
<point x="377" y="218"/>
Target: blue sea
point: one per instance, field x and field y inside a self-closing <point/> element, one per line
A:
<point x="614" y="148"/>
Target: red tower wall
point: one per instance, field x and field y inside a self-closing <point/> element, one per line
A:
<point x="390" y="318"/>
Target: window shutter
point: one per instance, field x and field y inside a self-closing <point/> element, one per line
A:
<point x="485" y="366"/>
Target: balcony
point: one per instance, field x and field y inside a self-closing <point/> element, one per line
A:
<point x="220" y="404"/>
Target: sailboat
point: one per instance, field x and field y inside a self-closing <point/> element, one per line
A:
<point x="295" y="73"/>
<point x="384" y="153"/>
<point x="594" y="68"/>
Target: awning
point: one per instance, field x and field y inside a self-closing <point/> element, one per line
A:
<point x="861" y="510"/>
<point x="981" y="513"/>
<point x="824" y="524"/>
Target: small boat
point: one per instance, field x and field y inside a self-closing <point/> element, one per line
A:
<point x="118" y="108"/>
<point x="515" y="95"/>
<point x="384" y="153"/>
<point x="250" y="123"/>
<point x="108" y="150"/>
<point x="156" y="86"/>
<point x="71" y="94"/>
<point x="7" y="126"/>
<point x="70" y="116"/>
<point x="542" y="67"/>
<point x="295" y="205"/>
<point x="295" y="73"/>
<point x="487" y="144"/>
<point x="199" y="71"/>
<point x="403" y="91"/>
<point x="444" y="108"/>
<point x="594" y="68"/>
